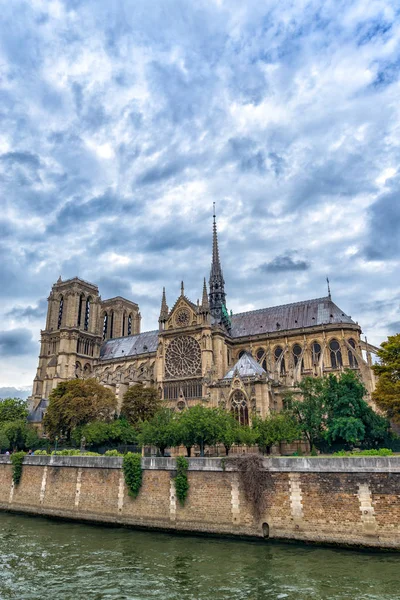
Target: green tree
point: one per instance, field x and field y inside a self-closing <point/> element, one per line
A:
<point x="276" y="428"/>
<point x="387" y="392"/>
<point x="228" y="429"/>
<point x="13" y="409"/>
<point x="75" y="403"/>
<point x="140" y="404"/>
<point x="200" y="426"/>
<point x="309" y="410"/>
<point x="19" y="435"/>
<point x="160" y="431"/>
<point x="349" y="418"/>
<point x="110" y="433"/>
<point x="247" y="436"/>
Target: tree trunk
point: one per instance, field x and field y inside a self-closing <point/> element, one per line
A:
<point x="189" y="451"/>
<point x="162" y="450"/>
<point x="201" y="448"/>
<point x="227" y="448"/>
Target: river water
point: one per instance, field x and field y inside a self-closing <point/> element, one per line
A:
<point x="44" y="559"/>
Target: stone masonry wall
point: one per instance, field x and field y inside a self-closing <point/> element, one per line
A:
<point x="348" y="501"/>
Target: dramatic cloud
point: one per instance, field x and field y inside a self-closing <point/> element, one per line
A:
<point x="285" y="262"/>
<point x="121" y="124"/>
<point x="16" y="342"/>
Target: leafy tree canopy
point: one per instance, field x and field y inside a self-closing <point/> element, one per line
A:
<point x="110" y="433"/>
<point x="276" y="428"/>
<point x="140" y="404"/>
<point x="229" y="429"/>
<point x="334" y="410"/>
<point x="349" y="418"/>
<point x="75" y="403"/>
<point x="310" y="409"/>
<point x="387" y="392"/>
<point x="18" y="435"/>
<point x="199" y="425"/>
<point x="161" y="431"/>
<point x="13" y="409"/>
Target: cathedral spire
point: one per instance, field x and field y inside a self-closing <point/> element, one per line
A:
<point x="217" y="283"/>
<point x="164" y="310"/>
<point x="205" y="306"/>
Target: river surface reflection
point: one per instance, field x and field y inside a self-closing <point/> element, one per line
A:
<point x="40" y="558"/>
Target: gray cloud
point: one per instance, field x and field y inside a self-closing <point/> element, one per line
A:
<point x="16" y="342"/>
<point x="283" y="263"/>
<point x="120" y="127"/>
<point x="29" y="312"/>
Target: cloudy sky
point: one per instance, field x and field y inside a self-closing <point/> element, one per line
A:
<point x="121" y="122"/>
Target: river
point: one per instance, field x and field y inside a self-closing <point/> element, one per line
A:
<point x="45" y="559"/>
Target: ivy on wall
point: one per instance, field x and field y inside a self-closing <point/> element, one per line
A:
<point x="181" y="479"/>
<point x="132" y="468"/>
<point x="17" y="459"/>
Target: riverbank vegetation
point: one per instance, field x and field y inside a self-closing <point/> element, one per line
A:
<point x="328" y="415"/>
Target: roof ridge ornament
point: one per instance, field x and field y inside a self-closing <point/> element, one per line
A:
<point x="329" y="289"/>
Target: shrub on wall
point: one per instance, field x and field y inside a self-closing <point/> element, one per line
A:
<point x="17" y="459"/>
<point x="252" y="479"/>
<point x="181" y="479"/>
<point x="132" y="468"/>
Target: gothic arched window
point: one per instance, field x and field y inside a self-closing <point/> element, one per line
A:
<point x="111" y="325"/>
<point x="316" y="353"/>
<point x="123" y="324"/>
<point x="130" y="324"/>
<point x="105" y="326"/>
<point x="78" y="369"/>
<point x="352" y="359"/>
<point x="261" y="358"/>
<point x="239" y="407"/>
<point x="87" y="314"/>
<point x="81" y="299"/>
<point x="277" y="354"/>
<point x="297" y="351"/>
<point x="241" y="353"/>
<point x="336" y="354"/>
<point x="60" y="312"/>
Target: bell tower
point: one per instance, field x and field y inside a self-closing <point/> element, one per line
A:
<point x="70" y="343"/>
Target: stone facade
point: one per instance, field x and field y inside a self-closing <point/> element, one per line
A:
<point x="350" y="501"/>
<point x="200" y="352"/>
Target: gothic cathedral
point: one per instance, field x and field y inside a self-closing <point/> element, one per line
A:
<point x="200" y="352"/>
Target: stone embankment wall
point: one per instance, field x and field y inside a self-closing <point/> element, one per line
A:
<point x="352" y="501"/>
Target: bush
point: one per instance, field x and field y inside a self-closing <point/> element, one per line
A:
<point x="40" y="452"/>
<point x="132" y="468"/>
<point x="74" y="452"/>
<point x="17" y="459"/>
<point x="372" y="452"/>
<point x="181" y="479"/>
<point x="113" y="453"/>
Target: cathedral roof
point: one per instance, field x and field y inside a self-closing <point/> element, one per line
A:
<point x="36" y="415"/>
<point x="246" y="366"/>
<point x="319" y="311"/>
<point x="130" y="346"/>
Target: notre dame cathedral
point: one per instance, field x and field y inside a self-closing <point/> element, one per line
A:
<point x="200" y="352"/>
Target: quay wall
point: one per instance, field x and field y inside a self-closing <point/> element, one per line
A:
<point x="346" y="501"/>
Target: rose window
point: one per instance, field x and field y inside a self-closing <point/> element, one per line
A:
<point x="183" y="357"/>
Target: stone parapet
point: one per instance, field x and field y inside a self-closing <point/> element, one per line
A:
<point x="354" y="464"/>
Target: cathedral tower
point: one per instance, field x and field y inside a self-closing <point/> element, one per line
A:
<point x="70" y="343"/>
